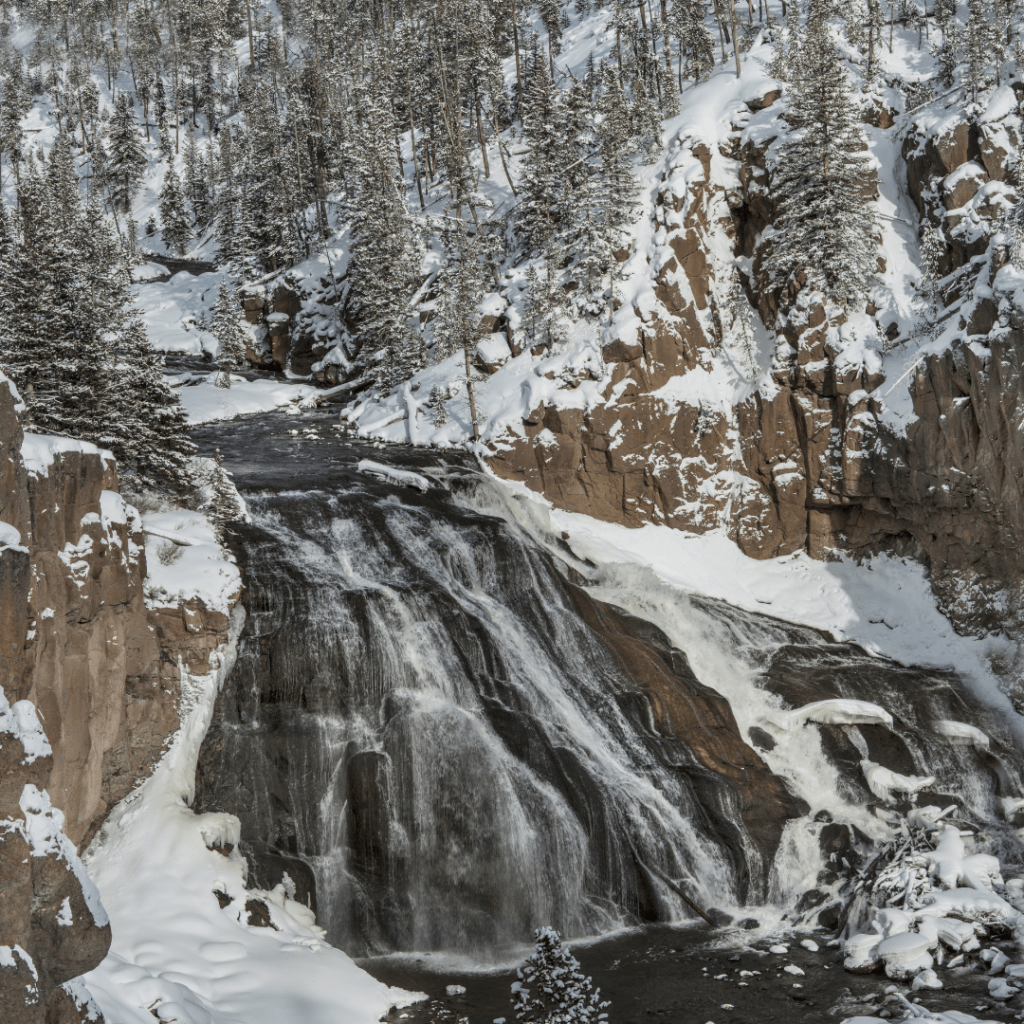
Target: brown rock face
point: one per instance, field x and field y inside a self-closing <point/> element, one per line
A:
<point x="809" y="465"/>
<point x="697" y="722"/>
<point x="48" y="934"/>
<point x="77" y="641"/>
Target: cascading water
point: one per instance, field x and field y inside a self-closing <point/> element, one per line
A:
<point x="447" y="734"/>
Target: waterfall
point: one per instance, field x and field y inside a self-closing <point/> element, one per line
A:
<point x="446" y="731"/>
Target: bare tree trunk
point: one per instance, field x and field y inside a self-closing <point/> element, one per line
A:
<point x="501" y="153"/>
<point x="735" y="36"/>
<point x="469" y="391"/>
<point x="480" y="139"/>
<point x="248" y="17"/>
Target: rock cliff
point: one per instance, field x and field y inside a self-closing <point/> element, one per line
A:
<point x="79" y="649"/>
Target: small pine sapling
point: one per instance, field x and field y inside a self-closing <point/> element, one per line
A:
<point x="552" y="989"/>
<point x="224" y="506"/>
<point x="436" y="403"/>
<point x="228" y="332"/>
<point x="174" y="214"/>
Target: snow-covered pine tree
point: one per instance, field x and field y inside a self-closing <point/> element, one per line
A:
<point x="544" y="131"/>
<point x="146" y="424"/>
<point x="618" y="186"/>
<point x="224" y="506"/>
<point x="17" y="359"/>
<point x="700" y="49"/>
<point x="543" y="311"/>
<point x="979" y="45"/>
<point x="174" y="217"/>
<point x="552" y="989"/>
<point x="227" y="329"/>
<point x="197" y="191"/>
<point x="126" y="158"/>
<point x="460" y="287"/>
<point x="12" y="135"/>
<point x="825" y="229"/>
<point x="385" y="252"/>
<point x="581" y="233"/>
<point x="1017" y="221"/>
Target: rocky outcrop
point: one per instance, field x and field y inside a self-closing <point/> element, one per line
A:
<point x="52" y="925"/>
<point x="78" y="646"/>
<point x="293" y="324"/>
<point x="809" y="463"/>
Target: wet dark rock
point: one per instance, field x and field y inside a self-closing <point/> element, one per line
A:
<point x="809" y="900"/>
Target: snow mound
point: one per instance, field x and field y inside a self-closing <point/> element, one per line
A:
<point x="20" y="720"/>
<point x="186" y="561"/>
<point x="883" y="782"/>
<point x="836" y="712"/>
<point x="962" y="733"/>
<point x="398" y="477"/>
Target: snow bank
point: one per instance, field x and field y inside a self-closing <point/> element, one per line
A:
<point x="185" y="560"/>
<point x="836" y="712"/>
<point x="21" y="721"/>
<point x="39" y="450"/>
<point x="176" y="955"/>
<point x="205" y="402"/>
<point x="398" y="477"/>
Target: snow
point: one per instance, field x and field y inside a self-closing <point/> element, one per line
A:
<point x="43" y="829"/>
<point x="10" y="537"/>
<point x="837" y="712"/>
<point x="205" y="402"/>
<point x="884" y="782"/>
<point x="399" y="477"/>
<point x="175" y="954"/>
<point x="65" y="919"/>
<point x="38" y="451"/>
<point x="192" y="565"/>
<point x="22" y="721"/>
<point x="961" y="732"/>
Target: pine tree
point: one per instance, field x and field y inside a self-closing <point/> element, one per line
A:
<point x="824" y="230"/>
<point x="979" y="44"/>
<point x="17" y="360"/>
<point x="543" y="311"/>
<point x="197" y="190"/>
<point x="385" y="257"/>
<point x="77" y="347"/>
<point x="224" y="505"/>
<point x="460" y="290"/>
<point x="126" y="161"/>
<point x="552" y="989"/>
<point x="227" y="329"/>
<point x="618" y="186"/>
<point x="700" y="50"/>
<point x="544" y="130"/>
<point x="173" y="215"/>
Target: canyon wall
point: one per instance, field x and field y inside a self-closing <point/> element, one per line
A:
<point x="82" y="656"/>
<point x="810" y="461"/>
